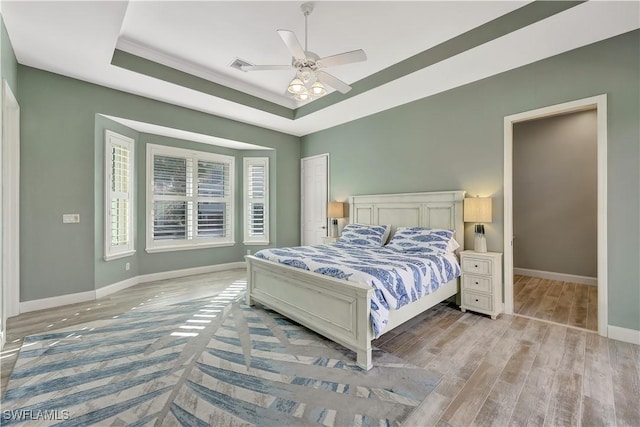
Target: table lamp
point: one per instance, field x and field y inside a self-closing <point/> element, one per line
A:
<point x="478" y="210"/>
<point x="335" y="210"/>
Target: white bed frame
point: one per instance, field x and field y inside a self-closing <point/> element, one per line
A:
<point x="338" y="309"/>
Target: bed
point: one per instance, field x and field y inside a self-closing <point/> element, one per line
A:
<point x="338" y="309"/>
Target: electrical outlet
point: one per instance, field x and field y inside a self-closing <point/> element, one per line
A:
<point x="127" y="266"/>
<point x="70" y="218"/>
<point x="248" y="251"/>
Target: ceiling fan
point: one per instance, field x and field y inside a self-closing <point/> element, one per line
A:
<point x="310" y="78"/>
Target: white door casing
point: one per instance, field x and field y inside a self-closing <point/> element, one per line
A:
<point x="314" y="198"/>
<point x="3" y="319"/>
<point x="600" y="104"/>
<point x="10" y="204"/>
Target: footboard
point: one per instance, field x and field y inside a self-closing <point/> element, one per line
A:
<point x="336" y="309"/>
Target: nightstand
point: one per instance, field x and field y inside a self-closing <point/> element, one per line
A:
<point x="328" y="239"/>
<point x="481" y="282"/>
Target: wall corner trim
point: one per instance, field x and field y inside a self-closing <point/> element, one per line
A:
<point x="631" y="336"/>
<point x="44" y="303"/>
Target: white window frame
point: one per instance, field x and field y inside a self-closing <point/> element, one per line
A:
<point x="247" y="162"/>
<point x="193" y="242"/>
<point x="113" y="139"/>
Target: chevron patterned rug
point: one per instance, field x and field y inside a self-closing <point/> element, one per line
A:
<point x="209" y="361"/>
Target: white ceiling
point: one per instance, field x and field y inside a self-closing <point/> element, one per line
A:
<point x="208" y="36"/>
<point x="78" y="39"/>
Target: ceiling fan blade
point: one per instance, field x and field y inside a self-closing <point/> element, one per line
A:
<point x="289" y="38"/>
<point x="265" y="67"/>
<point x="342" y="58"/>
<point x="332" y="81"/>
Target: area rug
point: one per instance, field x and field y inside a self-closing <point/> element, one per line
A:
<point x="209" y="361"/>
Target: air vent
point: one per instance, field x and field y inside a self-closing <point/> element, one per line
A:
<point x="238" y="63"/>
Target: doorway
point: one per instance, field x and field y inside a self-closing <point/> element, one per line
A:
<point x="314" y="198"/>
<point x="598" y="104"/>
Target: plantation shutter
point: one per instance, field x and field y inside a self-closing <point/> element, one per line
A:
<point x="256" y="174"/>
<point x="214" y="199"/>
<point x="192" y="199"/>
<point x="119" y="196"/>
<point x="170" y="205"/>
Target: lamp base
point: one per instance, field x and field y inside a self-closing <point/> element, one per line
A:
<point x="334" y="228"/>
<point x="480" y="243"/>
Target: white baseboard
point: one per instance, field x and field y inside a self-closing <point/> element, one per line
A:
<point x="189" y="271"/>
<point x="585" y="280"/>
<point x="118" y="286"/>
<point x="41" y="304"/>
<point x="623" y="334"/>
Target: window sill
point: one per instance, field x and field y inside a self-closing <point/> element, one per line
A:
<point x="256" y="243"/>
<point x="156" y="249"/>
<point x="119" y="255"/>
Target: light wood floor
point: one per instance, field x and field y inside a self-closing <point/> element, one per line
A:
<point x="512" y="371"/>
<point x="162" y="292"/>
<point x="572" y="304"/>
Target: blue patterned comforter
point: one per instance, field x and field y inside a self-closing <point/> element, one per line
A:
<point x="397" y="278"/>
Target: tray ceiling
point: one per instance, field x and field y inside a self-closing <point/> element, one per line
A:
<point x="408" y="44"/>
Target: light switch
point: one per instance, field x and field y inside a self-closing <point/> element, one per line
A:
<point x="70" y="218"/>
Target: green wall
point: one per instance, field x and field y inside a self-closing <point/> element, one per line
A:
<point x="454" y="140"/>
<point x="58" y="171"/>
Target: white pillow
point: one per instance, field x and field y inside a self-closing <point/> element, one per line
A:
<point x="364" y="235"/>
<point x="420" y="239"/>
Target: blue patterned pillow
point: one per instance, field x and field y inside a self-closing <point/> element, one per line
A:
<point x="420" y="239"/>
<point x="364" y="235"/>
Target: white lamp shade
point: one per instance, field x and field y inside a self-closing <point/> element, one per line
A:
<point x="303" y="96"/>
<point x="318" y="89"/>
<point x="296" y="86"/>
<point x="335" y="210"/>
<point x="477" y="209"/>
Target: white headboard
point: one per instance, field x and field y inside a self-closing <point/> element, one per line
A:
<point x="440" y="209"/>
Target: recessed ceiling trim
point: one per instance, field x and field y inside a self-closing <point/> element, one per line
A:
<point x="149" y="68"/>
<point x="505" y="24"/>
<point x="155" y="55"/>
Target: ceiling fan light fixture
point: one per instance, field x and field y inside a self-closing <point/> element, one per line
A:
<point x="318" y="89"/>
<point x="296" y="86"/>
<point x="303" y="96"/>
<point x="304" y="74"/>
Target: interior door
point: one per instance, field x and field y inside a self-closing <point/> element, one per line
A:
<point x="314" y="198"/>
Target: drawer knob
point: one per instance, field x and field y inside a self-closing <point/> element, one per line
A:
<point x="477" y="300"/>
<point x="477" y="283"/>
<point x="476" y="265"/>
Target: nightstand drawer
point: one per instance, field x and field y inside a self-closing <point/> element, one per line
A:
<point x="475" y="265"/>
<point x="477" y="283"/>
<point x="473" y="300"/>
